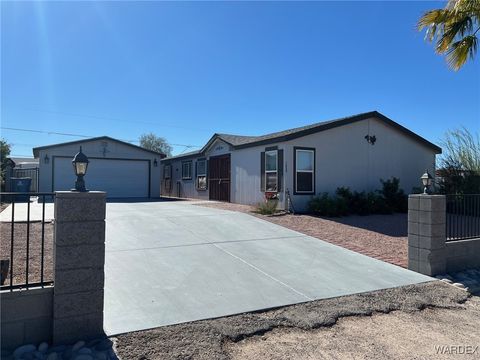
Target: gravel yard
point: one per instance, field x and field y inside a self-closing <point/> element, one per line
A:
<point x="377" y="325"/>
<point x="20" y="251"/>
<point x="383" y="237"/>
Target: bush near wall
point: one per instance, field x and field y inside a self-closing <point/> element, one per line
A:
<point x="389" y="199"/>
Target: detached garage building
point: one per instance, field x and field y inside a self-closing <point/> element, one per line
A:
<point x="121" y="169"/>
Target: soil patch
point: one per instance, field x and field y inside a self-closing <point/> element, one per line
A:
<point x="34" y="251"/>
<point x="222" y="338"/>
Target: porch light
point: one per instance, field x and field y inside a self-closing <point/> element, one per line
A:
<point x="80" y="164"/>
<point x="155" y="163"/>
<point x="46" y="159"/>
<point x="426" y="181"/>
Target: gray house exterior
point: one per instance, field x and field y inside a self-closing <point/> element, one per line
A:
<point x="121" y="169"/>
<point x="355" y="151"/>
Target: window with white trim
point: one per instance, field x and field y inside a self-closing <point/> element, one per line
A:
<point x="202" y="174"/>
<point x="186" y="170"/>
<point x="304" y="171"/>
<point x="271" y="170"/>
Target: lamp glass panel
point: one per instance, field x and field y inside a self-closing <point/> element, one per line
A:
<point x="81" y="168"/>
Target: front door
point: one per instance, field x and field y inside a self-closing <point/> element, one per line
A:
<point x="219" y="178"/>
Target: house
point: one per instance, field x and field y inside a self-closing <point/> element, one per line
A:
<point x="25" y="163"/>
<point x="355" y="151"/>
<point x="117" y="167"/>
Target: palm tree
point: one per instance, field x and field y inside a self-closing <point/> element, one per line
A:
<point x="454" y="30"/>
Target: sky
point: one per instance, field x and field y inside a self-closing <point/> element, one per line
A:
<point x="187" y="70"/>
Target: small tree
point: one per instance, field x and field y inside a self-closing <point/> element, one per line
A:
<point x="460" y="164"/>
<point x="4" y="154"/>
<point x="156" y="143"/>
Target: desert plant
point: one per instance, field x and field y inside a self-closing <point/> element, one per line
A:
<point x="460" y="165"/>
<point x="267" y="207"/>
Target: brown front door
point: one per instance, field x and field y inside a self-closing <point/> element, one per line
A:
<point x="219" y="178"/>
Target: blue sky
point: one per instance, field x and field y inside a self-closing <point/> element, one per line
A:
<point x="187" y="70"/>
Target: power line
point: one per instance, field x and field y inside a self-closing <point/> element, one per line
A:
<point x="82" y="136"/>
<point x="113" y="119"/>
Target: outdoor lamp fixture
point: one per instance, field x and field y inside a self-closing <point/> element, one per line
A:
<point x="155" y="162"/>
<point x="46" y="159"/>
<point x="426" y="181"/>
<point x="80" y="164"/>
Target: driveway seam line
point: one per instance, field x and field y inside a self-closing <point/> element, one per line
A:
<point x="264" y="273"/>
<point x="209" y="243"/>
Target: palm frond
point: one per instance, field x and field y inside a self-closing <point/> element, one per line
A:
<point x="433" y="17"/>
<point x="458" y="26"/>
<point x="461" y="50"/>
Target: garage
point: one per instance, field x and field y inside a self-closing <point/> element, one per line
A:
<point x="121" y="169"/>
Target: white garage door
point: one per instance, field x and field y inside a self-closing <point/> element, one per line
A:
<point x="119" y="178"/>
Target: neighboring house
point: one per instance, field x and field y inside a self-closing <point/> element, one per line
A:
<point x="119" y="168"/>
<point x="25" y="163"/>
<point x="355" y="151"/>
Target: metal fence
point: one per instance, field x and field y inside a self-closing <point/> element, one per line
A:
<point x="26" y="249"/>
<point x="463" y="217"/>
<point x="30" y="173"/>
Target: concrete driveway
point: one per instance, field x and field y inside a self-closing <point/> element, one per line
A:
<point x="173" y="262"/>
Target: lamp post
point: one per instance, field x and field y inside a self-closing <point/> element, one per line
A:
<point x="80" y="164"/>
<point x="426" y="181"/>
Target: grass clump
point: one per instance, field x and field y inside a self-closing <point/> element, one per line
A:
<point x="268" y="207"/>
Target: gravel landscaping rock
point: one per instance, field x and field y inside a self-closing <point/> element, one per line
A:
<point x="467" y="279"/>
<point x="211" y="339"/>
<point x="20" y="251"/>
<point x="78" y="351"/>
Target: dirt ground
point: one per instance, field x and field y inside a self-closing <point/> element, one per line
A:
<point x="383" y="237"/>
<point x="398" y="335"/>
<point x="20" y="251"/>
<point x="400" y="323"/>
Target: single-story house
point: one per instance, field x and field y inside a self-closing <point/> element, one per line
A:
<point x="355" y="151"/>
<point x="121" y="169"/>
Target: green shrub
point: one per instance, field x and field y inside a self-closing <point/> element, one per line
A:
<point x="385" y="201"/>
<point x="330" y="206"/>
<point x="395" y="198"/>
<point x="267" y="207"/>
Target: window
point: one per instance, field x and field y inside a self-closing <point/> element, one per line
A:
<point x="187" y="170"/>
<point x="304" y="171"/>
<point x="167" y="171"/>
<point x="271" y="170"/>
<point x="202" y="174"/>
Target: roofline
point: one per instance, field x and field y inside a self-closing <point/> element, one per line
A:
<point x="212" y="140"/>
<point x="318" y="128"/>
<point x="37" y="149"/>
<point x="183" y="156"/>
<point x="341" y="122"/>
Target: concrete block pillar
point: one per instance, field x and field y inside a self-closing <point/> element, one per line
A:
<point x="79" y="253"/>
<point x="427" y="234"/>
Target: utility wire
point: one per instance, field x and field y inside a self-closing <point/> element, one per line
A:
<point x="113" y="119"/>
<point x="78" y="135"/>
